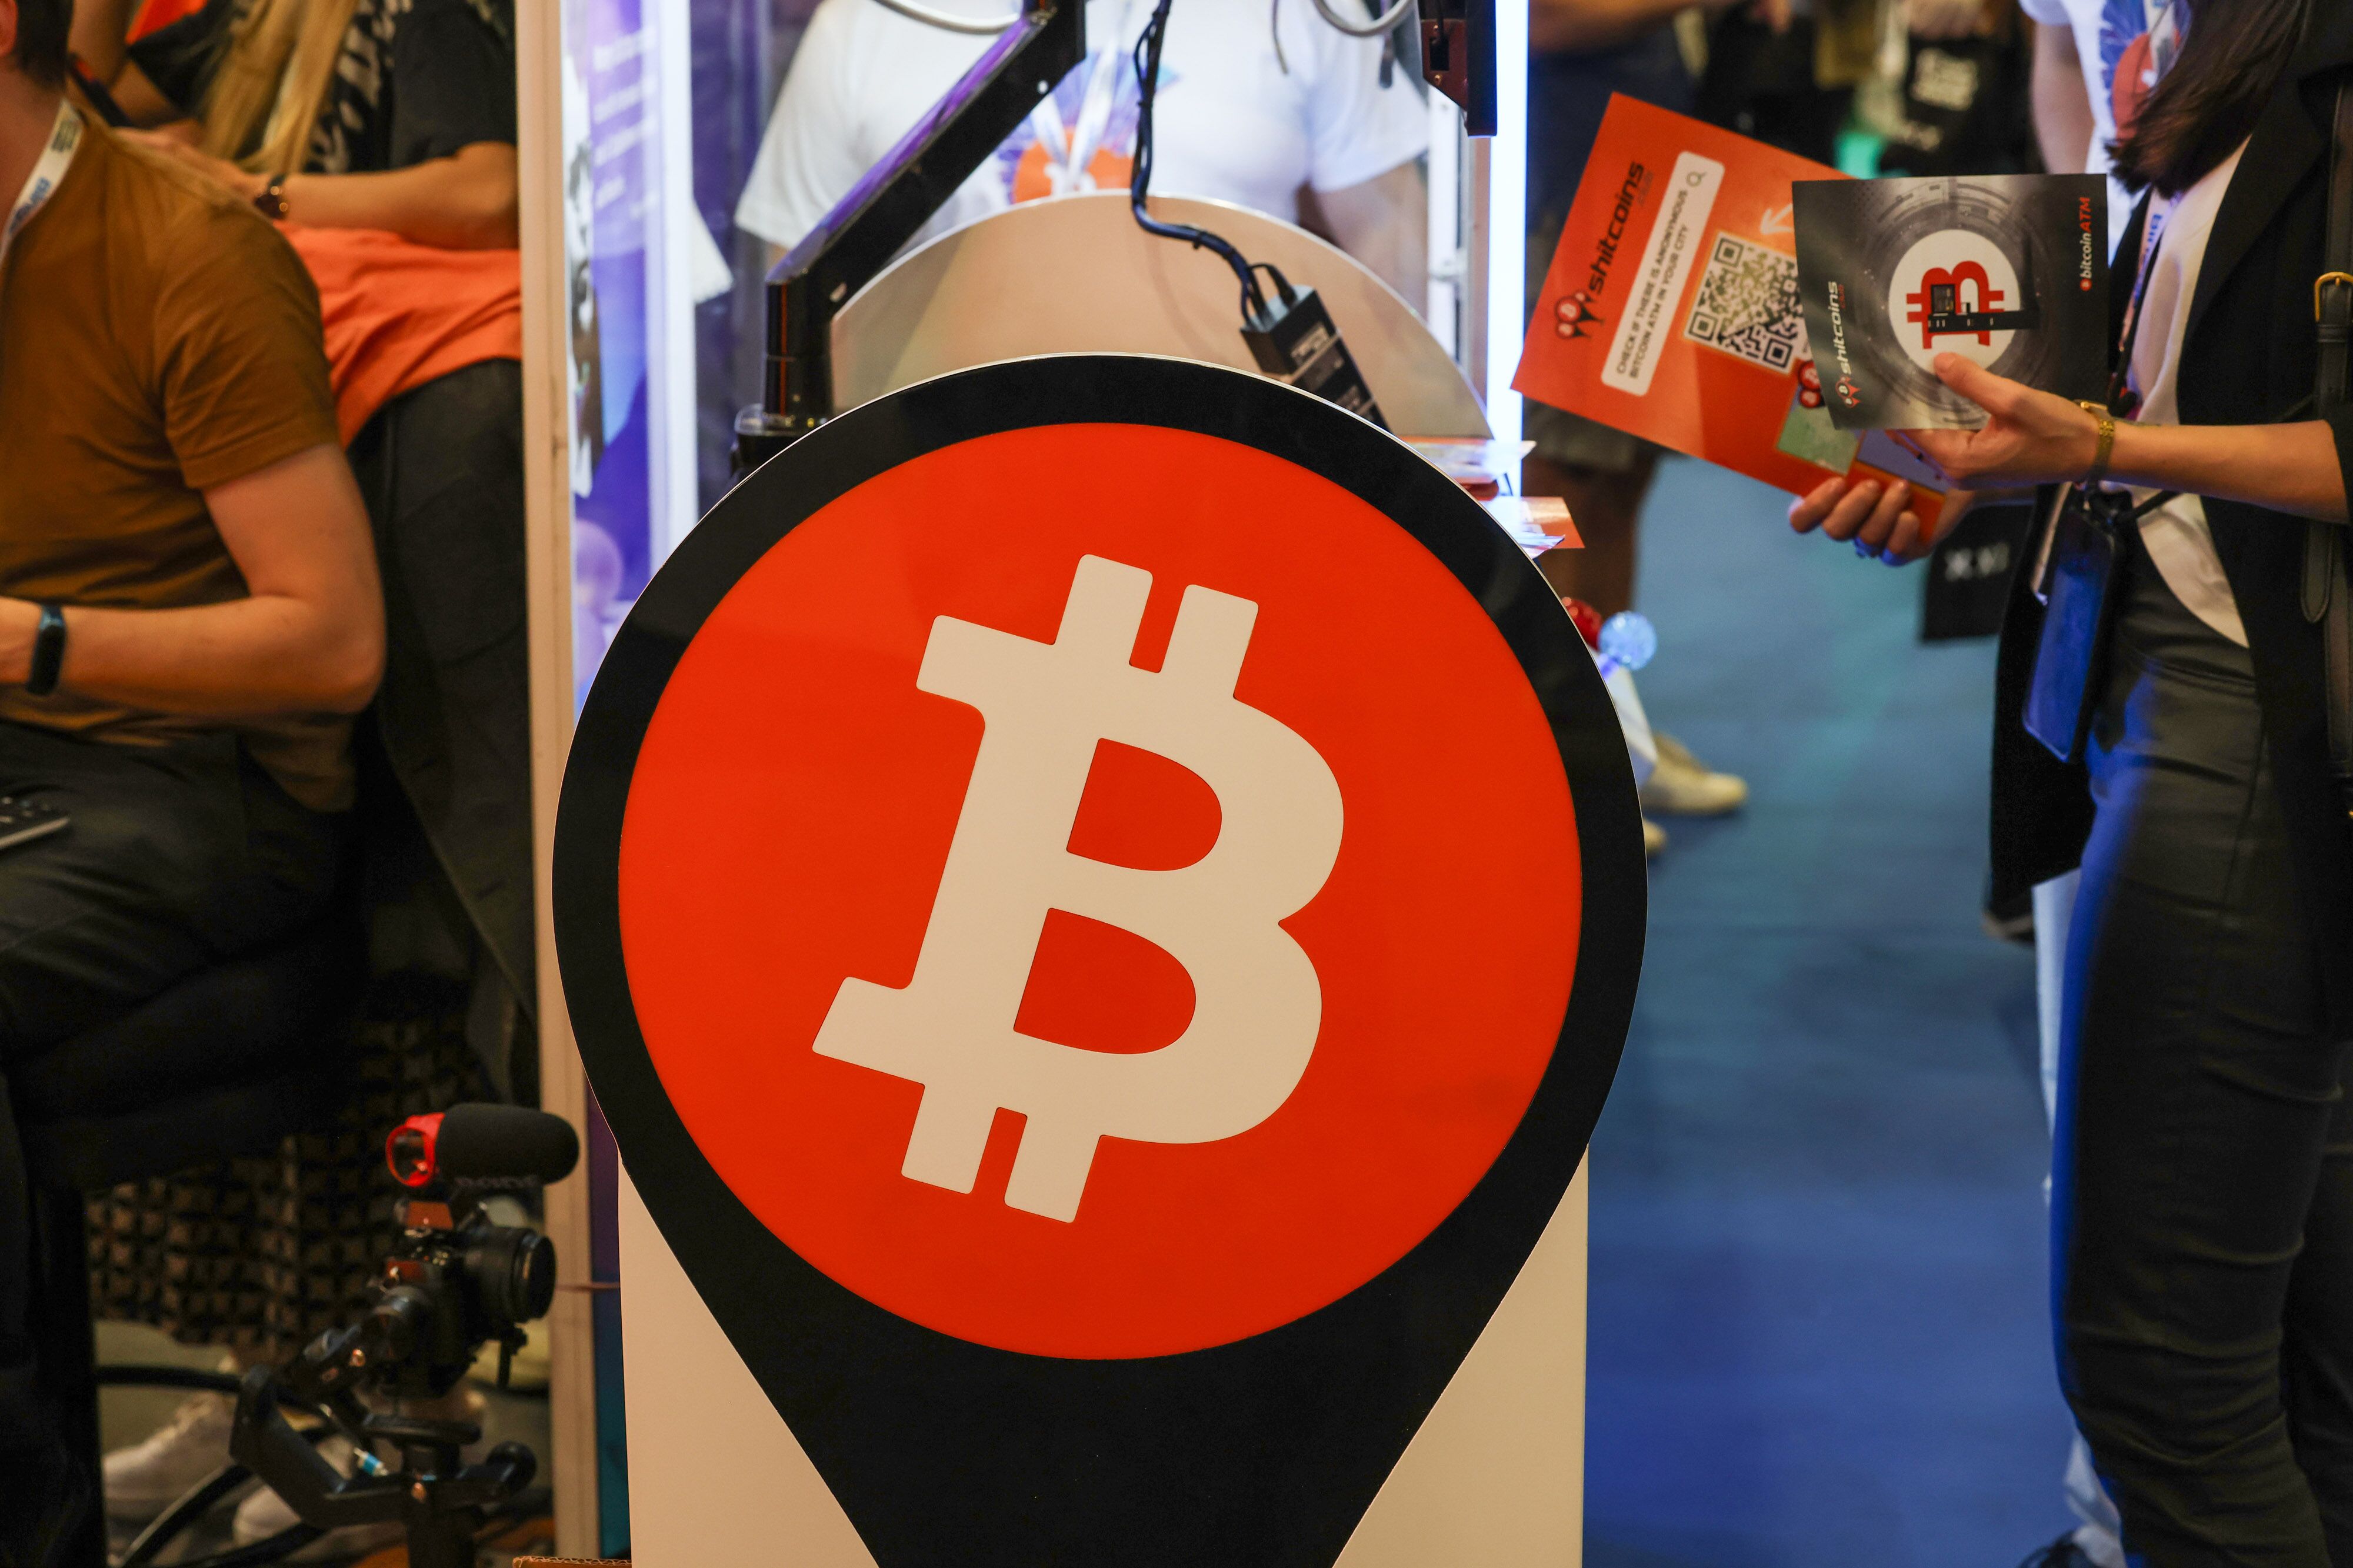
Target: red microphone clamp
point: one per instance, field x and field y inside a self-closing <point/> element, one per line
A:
<point x="412" y="1150"/>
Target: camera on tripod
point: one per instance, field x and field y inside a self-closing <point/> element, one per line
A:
<point x="457" y="1280"/>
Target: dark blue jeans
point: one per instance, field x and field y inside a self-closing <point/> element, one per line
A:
<point x="2202" y="1221"/>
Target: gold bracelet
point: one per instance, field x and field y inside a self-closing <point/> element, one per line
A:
<point x="2108" y="442"/>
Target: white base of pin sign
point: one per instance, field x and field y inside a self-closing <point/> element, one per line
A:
<point x="1496" y="1475"/>
<point x="716" y="1479"/>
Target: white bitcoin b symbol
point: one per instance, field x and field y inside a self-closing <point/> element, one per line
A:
<point x="1256" y="1001"/>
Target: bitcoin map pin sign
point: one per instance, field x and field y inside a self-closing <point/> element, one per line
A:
<point x="1101" y="897"/>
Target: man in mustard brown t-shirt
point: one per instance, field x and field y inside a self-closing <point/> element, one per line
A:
<point x="189" y="612"/>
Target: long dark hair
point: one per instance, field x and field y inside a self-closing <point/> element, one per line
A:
<point x="2208" y="102"/>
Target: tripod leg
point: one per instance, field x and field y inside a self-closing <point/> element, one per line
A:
<point x="440" y="1539"/>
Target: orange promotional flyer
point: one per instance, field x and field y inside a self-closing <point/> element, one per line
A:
<point x="1671" y="309"/>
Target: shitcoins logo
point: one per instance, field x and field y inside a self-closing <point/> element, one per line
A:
<point x="1258" y="1003"/>
<point x="1576" y="314"/>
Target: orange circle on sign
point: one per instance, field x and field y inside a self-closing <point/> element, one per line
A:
<point x="790" y="814"/>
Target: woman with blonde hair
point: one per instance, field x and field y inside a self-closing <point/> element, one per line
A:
<point x="379" y="115"/>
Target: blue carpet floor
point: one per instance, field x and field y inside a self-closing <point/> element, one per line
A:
<point x="1818" y="1328"/>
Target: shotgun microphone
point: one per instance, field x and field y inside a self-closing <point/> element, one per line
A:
<point x="482" y="1142"/>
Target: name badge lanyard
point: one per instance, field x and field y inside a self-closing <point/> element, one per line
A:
<point x="2119" y="388"/>
<point x="65" y="138"/>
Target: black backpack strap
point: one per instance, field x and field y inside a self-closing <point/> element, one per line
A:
<point x="2327" y="592"/>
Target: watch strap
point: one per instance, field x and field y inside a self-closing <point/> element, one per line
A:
<point x="49" y="652"/>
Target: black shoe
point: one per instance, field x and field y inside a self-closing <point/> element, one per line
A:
<point x="2061" y="1553"/>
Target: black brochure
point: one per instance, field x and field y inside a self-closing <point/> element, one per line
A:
<point x="2010" y="270"/>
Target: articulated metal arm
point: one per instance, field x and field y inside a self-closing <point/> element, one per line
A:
<point x="867" y="227"/>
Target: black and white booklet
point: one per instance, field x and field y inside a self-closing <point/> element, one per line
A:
<point x="2010" y="270"/>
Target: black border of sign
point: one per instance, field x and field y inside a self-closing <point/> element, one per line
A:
<point x="1262" y="1452"/>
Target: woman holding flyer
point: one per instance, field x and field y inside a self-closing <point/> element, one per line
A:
<point x="2196" y="752"/>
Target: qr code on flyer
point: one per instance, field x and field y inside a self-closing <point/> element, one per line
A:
<point x="1747" y="304"/>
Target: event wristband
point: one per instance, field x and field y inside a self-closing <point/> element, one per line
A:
<point x="49" y="652"/>
<point x="2108" y="442"/>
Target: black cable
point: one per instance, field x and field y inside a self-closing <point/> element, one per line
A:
<point x="1282" y="289"/>
<point x="1147" y="82"/>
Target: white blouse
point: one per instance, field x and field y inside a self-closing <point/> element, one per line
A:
<point x="2177" y="535"/>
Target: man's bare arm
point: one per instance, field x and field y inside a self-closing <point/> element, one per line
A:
<point x="2063" y="105"/>
<point x="309" y="636"/>
<point x="1384" y="223"/>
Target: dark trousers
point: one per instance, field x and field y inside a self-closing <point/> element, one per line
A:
<point x="177" y="858"/>
<point x="2202" y="1221"/>
<point x="441" y="470"/>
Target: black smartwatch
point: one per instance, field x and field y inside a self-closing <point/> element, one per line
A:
<point x="49" y="652"/>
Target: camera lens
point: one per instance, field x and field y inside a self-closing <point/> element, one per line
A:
<point x="514" y="1271"/>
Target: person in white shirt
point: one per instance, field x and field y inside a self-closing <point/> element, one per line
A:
<point x="2095" y="61"/>
<point x="1266" y="106"/>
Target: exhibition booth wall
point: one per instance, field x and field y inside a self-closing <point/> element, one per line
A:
<point x="643" y="324"/>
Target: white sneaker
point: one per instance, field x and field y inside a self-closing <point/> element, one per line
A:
<point x="148" y="1476"/>
<point x="1682" y="785"/>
